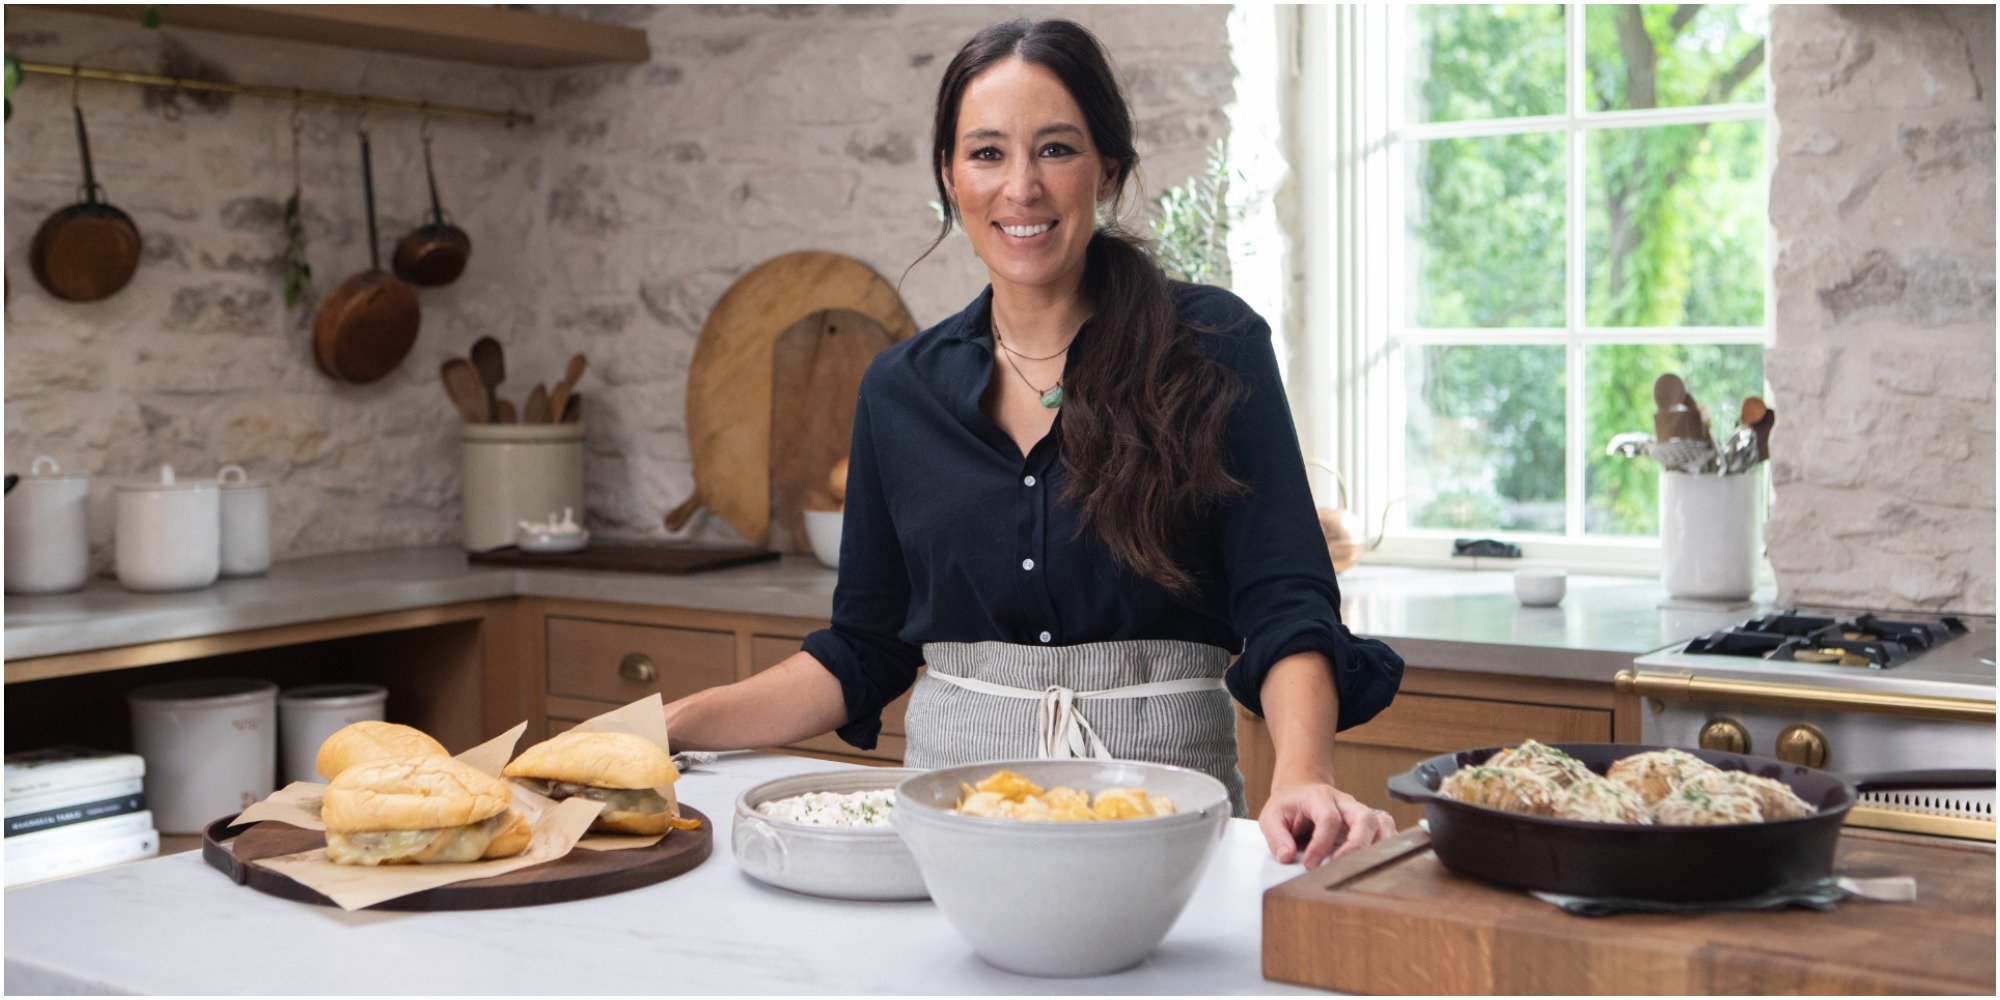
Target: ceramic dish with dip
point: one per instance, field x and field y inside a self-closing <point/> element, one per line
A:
<point x="831" y="859"/>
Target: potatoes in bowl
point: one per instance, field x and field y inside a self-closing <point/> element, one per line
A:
<point x="1062" y="898"/>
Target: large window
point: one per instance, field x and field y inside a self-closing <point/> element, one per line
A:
<point x="1568" y="201"/>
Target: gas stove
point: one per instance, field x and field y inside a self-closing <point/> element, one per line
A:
<point x="1865" y="640"/>
<point x="1843" y="690"/>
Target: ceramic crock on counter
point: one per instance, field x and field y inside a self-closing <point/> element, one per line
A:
<point x="515" y="473"/>
<point x="48" y="543"/>
<point x="246" y="523"/>
<point x="169" y="533"/>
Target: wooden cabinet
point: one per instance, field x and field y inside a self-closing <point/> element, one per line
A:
<point x="612" y="661"/>
<point x="1440" y="711"/>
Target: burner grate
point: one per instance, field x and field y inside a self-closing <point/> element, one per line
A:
<point x="1866" y="641"/>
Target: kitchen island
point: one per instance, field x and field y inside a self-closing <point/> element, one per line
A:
<point x="174" y="925"/>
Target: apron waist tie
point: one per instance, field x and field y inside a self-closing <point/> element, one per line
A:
<point x="1060" y="729"/>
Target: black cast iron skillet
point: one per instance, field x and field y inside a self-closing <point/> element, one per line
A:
<point x="1661" y="863"/>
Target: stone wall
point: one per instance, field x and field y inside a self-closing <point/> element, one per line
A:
<point x="610" y="227"/>
<point x="1882" y="369"/>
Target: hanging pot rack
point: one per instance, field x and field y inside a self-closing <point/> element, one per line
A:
<point x="296" y="95"/>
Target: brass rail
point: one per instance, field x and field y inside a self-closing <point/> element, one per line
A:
<point x="1682" y="687"/>
<point x="368" y="102"/>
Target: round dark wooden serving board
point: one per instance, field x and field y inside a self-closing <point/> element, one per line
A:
<point x="581" y="874"/>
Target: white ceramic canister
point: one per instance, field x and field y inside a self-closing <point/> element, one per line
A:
<point x="210" y="746"/>
<point x="48" y="537"/>
<point x="308" y="715"/>
<point x="515" y="473"/>
<point x="246" y="523"/>
<point x="1708" y="536"/>
<point x="169" y="533"/>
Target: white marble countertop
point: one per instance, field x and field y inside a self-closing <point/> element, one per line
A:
<point x="1446" y="618"/>
<point x="174" y="925"/>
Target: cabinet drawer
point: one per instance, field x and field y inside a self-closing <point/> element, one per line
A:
<point x="1435" y="724"/>
<point x="586" y="658"/>
<point x="770" y="650"/>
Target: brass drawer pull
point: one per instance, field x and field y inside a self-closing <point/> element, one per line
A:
<point x="638" y="667"/>
<point x="1682" y="687"/>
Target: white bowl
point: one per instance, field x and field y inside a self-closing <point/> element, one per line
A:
<point x="843" y="862"/>
<point x="551" y="541"/>
<point x="823" y="531"/>
<point x="1063" y="899"/>
<point x="1539" y="587"/>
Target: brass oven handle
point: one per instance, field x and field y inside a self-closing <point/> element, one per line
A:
<point x="638" y="667"/>
<point x="1682" y="687"/>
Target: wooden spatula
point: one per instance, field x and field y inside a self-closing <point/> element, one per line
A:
<point x="462" y="387"/>
<point x="536" y="410"/>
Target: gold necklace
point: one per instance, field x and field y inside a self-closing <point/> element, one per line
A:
<point x="1052" y="397"/>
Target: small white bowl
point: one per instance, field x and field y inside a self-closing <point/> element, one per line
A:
<point x="1540" y="587"/>
<point x="551" y="541"/>
<point x="823" y="531"/>
<point x="842" y="862"/>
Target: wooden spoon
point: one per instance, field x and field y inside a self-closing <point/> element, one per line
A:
<point x="492" y="364"/>
<point x="504" y="412"/>
<point x="461" y="385"/>
<point x="1668" y="391"/>
<point x="572" y="410"/>
<point x="536" y="410"/>
<point x="1753" y="411"/>
<point x="566" y="385"/>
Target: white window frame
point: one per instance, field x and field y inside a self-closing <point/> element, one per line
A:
<point x="1353" y="172"/>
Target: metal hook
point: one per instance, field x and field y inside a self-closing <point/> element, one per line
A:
<point x="75" y="85"/>
<point x="298" y="106"/>
<point x="424" y="129"/>
<point x="361" y="120"/>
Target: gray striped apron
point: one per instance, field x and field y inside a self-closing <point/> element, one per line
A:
<point x="1159" y="700"/>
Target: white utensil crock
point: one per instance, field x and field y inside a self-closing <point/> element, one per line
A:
<point x="48" y="541"/>
<point x="1708" y="536"/>
<point x="308" y="715"/>
<point x="515" y="473"/>
<point x="210" y="746"/>
<point x="246" y="523"/>
<point x="169" y="533"/>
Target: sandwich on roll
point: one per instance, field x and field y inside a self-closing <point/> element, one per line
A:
<point x="630" y="774"/>
<point x="427" y="809"/>
<point x="362" y="742"/>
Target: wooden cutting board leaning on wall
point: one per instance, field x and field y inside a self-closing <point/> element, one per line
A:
<point x="731" y="403"/>
<point x="816" y="369"/>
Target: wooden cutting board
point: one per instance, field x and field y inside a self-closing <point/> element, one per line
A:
<point x="580" y="874"/>
<point x="816" y="369"/>
<point x="635" y="558"/>
<point x="729" y="402"/>
<point x="1391" y="919"/>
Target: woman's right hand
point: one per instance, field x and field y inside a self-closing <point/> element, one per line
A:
<point x="795" y="699"/>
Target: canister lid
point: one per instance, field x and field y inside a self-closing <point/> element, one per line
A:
<point x="44" y="467"/>
<point x="213" y="692"/>
<point x="167" y="481"/>
<point x="232" y="477"/>
<point x="335" y="695"/>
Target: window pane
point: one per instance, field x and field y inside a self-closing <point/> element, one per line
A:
<point x="1659" y="55"/>
<point x="1622" y="493"/>
<point x="1676" y="219"/>
<point x="1485" y="438"/>
<point x="1485" y="221"/>
<point x="1485" y="61"/>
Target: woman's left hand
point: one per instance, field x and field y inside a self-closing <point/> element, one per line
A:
<point x="1328" y="823"/>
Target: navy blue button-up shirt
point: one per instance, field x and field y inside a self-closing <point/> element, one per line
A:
<point x="952" y="535"/>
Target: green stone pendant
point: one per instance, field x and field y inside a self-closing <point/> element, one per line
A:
<point x="1052" y="398"/>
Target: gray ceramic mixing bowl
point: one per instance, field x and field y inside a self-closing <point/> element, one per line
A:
<point x="1062" y="899"/>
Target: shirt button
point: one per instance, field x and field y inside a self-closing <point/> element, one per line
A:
<point x="1046" y="637"/>
<point x="1027" y="564"/>
<point x="1029" y="481"/>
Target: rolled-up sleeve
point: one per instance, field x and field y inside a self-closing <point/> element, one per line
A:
<point x="1282" y="595"/>
<point x="871" y="600"/>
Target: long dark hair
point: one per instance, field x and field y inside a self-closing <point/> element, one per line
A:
<point x="1144" y="408"/>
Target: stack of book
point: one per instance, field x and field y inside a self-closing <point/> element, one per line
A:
<point x="72" y="809"/>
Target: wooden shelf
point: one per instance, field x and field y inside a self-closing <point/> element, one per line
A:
<point x="488" y="35"/>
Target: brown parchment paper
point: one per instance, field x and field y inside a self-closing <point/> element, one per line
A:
<point x="645" y="718"/>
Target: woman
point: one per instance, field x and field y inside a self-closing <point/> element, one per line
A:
<point x="1074" y="500"/>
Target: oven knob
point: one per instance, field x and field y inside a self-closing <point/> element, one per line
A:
<point x="1726" y="735"/>
<point x="1802" y="744"/>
